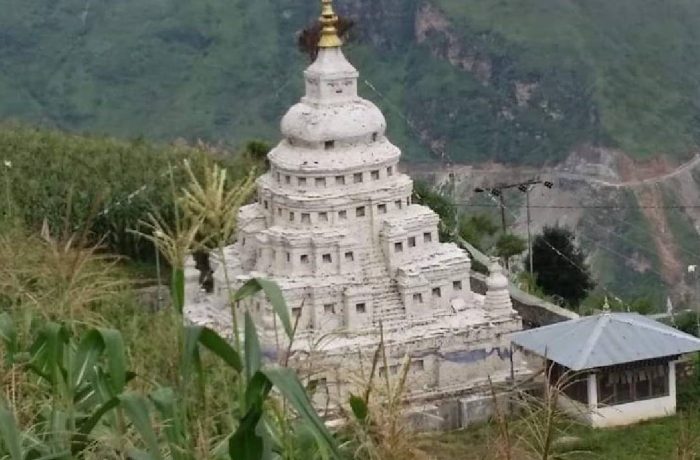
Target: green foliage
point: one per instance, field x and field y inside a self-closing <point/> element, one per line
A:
<point x="560" y="266"/>
<point x="509" y="245"/>
<point x="476" y="229"/>
<point x="188" y="70"/>
<point x="424" y="194"/>
<point x="84" y="385"/>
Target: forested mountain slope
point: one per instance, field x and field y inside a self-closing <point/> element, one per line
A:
<point x="524" y="81"/>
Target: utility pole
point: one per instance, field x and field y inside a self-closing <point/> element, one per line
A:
<point x="524" y="187"/>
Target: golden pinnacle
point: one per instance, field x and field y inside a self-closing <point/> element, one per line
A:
<point x="329" y="20"/>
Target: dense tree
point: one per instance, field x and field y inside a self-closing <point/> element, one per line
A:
<point x="560" y="265"/>
<point x="477" y="229"/>
<point x="509" y="245"/>
<point x="424" y="194"/>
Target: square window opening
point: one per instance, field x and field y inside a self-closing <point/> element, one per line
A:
<point x="357" y="178"/>
<point x="320" y="181"/>
<point x="427" y="237"/>
<point x="329" y="308"/>
<point x="339" y="180"/>
<point x="374" y="174"/>
<point x="418" y="297"/>
<point x="323" y="216"/>
<point x="381" y="208"/>
<point x="457" y="285"/>
<point x="411" y="241"/>
<point x="437" y="292"/>
<point x="301" y="180"/>
<point x="398" y="247"/>
<point x="342" y="215"/>
<point x="327" y="258"/>
<point x="304" y="259"/>
<point x="329" y="145"/>
<point x="398" y="204"/>
<point x="349" y="256"/>
<point x="360" y="308"/>
<point x="360" y="211"/>
<point x="305" y="218"/>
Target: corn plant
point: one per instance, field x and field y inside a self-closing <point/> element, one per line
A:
<point x="81" y="381"/>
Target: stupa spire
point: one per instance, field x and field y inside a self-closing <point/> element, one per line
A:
<point x="329" y="31"/>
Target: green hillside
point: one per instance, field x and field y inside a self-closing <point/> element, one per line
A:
<point x="621" y="74"/>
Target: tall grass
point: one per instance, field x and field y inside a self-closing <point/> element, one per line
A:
<point x="74" y="386"/>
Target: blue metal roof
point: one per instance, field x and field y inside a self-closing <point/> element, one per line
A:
<point x="605" y="340"/>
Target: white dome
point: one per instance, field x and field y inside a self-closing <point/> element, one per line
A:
<point x="346" y="122"/>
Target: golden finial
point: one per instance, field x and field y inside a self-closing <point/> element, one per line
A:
<point x="329" y="33"/>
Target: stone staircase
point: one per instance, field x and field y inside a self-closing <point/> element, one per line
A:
<point x="385" y="293"/>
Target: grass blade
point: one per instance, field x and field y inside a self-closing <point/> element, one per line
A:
<point x="9" y="433"/>
<point x="8" y="336"/>
<point x="136" y="408"/>
<point x="177" y="289"/>
<point x="79" y="441"/>
<point x="246" y="443"/>
<point x="116" y="358"/>
<point x="273" y="295"/>
<point x="221" y="348"/>
<point x="253" y="355"/>
<point x="288" y="384"/>
<point x="166" y="403"/>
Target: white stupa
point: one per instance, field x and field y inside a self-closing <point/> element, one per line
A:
<point x="334" y="226"/>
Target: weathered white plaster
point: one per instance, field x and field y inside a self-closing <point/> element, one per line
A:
<point x="334" y="226"/>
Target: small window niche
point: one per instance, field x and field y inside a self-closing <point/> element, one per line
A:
<point x="390" y="171"/>
<point x="327" y="258"/>
<point x="323" y="216"/>
<point x="374" y="174"/>
<point x="349" y="256"/>
<point x="329" y="308"/>
<point x="381" y="208"/>
<point x="339" y="180"/>
<point x="457" y="285"/>
<point x="320" y="181"/>
<point x="296" y="312"/>
<point x="279" y="178"/>
<point x="287" y="179"/>
<point x="301" y="180"/>
<point x="342" y="215"/>
<point x="291" y="216"/>
<point x="437" y="293"/>
<point x="398" y="204"/>
<point x="417" y="297"/>
<point x="411" y="241"/>
<point x="360" y="307"/>
<point x="305" y="218"/>
<point x="427" y="237"/>
<point x="357" y="178"/>
<point x="360" y="211"/>
<point x="328" y="145"/>
<point x="374" y="137"/>
<point x="304" y="258"/>
<point x="266" y="205"/>
<point x="289" y="257"/>
<point x="398" y="246"/>
<point x="417" y="365"/>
